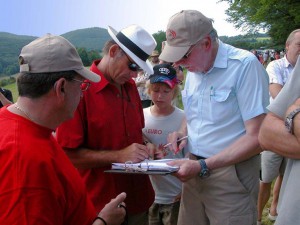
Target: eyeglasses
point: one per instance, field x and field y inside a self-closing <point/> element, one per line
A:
<point x="84" y="84"/>
<point x="190" y="51"/>
<point x="131" y="65"/>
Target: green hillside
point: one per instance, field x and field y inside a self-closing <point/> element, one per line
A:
<point x="11" y="45"/>
<point x="89" y="38"/>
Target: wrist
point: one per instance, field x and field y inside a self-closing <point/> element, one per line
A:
<point x="99" y="221"/>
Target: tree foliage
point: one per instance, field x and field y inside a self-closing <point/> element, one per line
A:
<point x="277" y="17"/>
<point x="159" y="37"/>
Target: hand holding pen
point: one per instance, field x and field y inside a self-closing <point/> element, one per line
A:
<point x="179" y="143"/>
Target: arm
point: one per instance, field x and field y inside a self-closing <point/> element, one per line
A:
<point x="275" y="89"/>
<point x="242" y="149"/>
<point x="85" y="158"/>
<point x="3" y="99"/>
<point x="273" y="135"/>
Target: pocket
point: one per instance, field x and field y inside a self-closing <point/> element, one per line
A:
<point x="223" y="105"/>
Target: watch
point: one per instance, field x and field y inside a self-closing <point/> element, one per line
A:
<point x="289" y="120"/>
<point x="204" y="173"/>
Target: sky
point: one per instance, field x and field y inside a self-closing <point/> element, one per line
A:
<point x="38" y="17"/>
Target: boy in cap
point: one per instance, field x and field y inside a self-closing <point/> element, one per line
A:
<point x="161" y="119"/>
<point x="39" y="184"/>
<point x="225" y="98"/>
<point x="108" y="123"/>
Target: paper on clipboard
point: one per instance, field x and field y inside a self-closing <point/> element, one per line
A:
<point x="158" y="167"/>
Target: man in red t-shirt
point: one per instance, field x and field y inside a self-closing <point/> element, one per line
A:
<point x="38" y="183"/>
<point x="108" y="123"/>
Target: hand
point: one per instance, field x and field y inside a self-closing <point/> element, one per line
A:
<point x="111" y="213"/>
<point x="151" y="149"/>
<point x="134" y="153"/>
<point x="187" y="169"/>
<point x="175" y="147"/>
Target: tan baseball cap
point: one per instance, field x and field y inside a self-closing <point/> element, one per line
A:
<point x="184" y="29"/>
<point x="53" y="54"/>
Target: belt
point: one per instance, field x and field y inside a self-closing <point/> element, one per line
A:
<point x="198" y="157"/>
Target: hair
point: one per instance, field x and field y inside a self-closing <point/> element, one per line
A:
<point x="292" y="36"/>
<point x="35" y="85"/>
<point x="148" y="89"/>
<point x="107" y="46"/>
<point x="213" y="35"/>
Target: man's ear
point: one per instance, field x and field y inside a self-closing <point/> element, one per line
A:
<point x="59" y="86"/>
<point x="208" y="42"/>
<point x="113" y="50"/>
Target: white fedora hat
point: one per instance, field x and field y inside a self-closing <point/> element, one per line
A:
<point x="137" y="43"/>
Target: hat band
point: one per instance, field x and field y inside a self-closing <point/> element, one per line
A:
<point x="132" y="46"/>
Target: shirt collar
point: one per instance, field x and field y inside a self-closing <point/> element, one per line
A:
<point x="104" y="82"/>
<point x="221" y="55"/>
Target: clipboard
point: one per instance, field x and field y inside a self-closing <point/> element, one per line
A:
<point x="147" y="167"/>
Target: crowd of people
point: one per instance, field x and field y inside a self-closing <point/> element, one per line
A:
<point x="69" y="124"/>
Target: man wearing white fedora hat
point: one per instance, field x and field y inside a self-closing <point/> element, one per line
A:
<point x="108" y="124"/>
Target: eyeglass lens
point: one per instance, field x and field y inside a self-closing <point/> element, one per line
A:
<point x="84" y="84"/>
<point x="131" y="65"/>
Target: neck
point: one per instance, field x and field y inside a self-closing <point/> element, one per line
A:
<point x="162" y="111"/>
<point x="35" y="111"/>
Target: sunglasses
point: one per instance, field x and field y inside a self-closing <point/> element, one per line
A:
<point x="190" y="51"/>
<point x="132" y="65"/>
<point x="84" y="84"/>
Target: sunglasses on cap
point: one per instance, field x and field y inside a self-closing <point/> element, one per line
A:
<point x="132" y="65"/>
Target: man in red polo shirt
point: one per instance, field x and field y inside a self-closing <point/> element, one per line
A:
<point x="108" y="123"/>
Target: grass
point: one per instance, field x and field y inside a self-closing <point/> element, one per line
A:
<point x="13" y="89"/>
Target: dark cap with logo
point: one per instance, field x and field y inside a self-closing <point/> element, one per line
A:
<point x="164" y="73"/>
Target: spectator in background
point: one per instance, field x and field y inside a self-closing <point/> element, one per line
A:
<point x="154" y="60"/>
<point x="277" y="54"/>
<point x="140" y="82"/>
<point x="255" y="53"/>
<point x="6" y="97"/>
<point x="225" y="98"/>
<point x="164" y="118"/>
<point x="39" y="184"/>
<point x="108" y="123"/>
<point x="273" y="165"/>
<point x="266" y="58"/>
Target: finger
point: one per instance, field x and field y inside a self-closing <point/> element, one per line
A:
<point x="119" y="199"/>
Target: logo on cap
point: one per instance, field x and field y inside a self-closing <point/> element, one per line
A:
<point x="170" y="34"/>
<point x="164" y="70"/>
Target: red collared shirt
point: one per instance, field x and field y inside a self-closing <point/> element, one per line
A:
<point x="105" y="120"/>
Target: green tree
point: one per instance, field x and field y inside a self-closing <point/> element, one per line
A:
<point x="84" y="56"/>
<point x="159" y="37"/>
<point x="93" y="55"/>
<point x="276" y="17"/>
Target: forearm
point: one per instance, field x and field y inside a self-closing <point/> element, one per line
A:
<point x="84" y="158"/>
<point x="275" y="137"/>
<point x="244" y="148"/>
<point x="4" y="100"/>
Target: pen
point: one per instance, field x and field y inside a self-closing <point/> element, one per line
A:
<point x="180" y="139"/>
<point x="212" y="93"/>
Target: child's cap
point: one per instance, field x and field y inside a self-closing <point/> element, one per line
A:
<point x="164" y="73"/>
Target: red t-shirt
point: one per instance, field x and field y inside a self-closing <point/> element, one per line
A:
<point x="38" y="183"/>
<point x="105" y="120"/>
